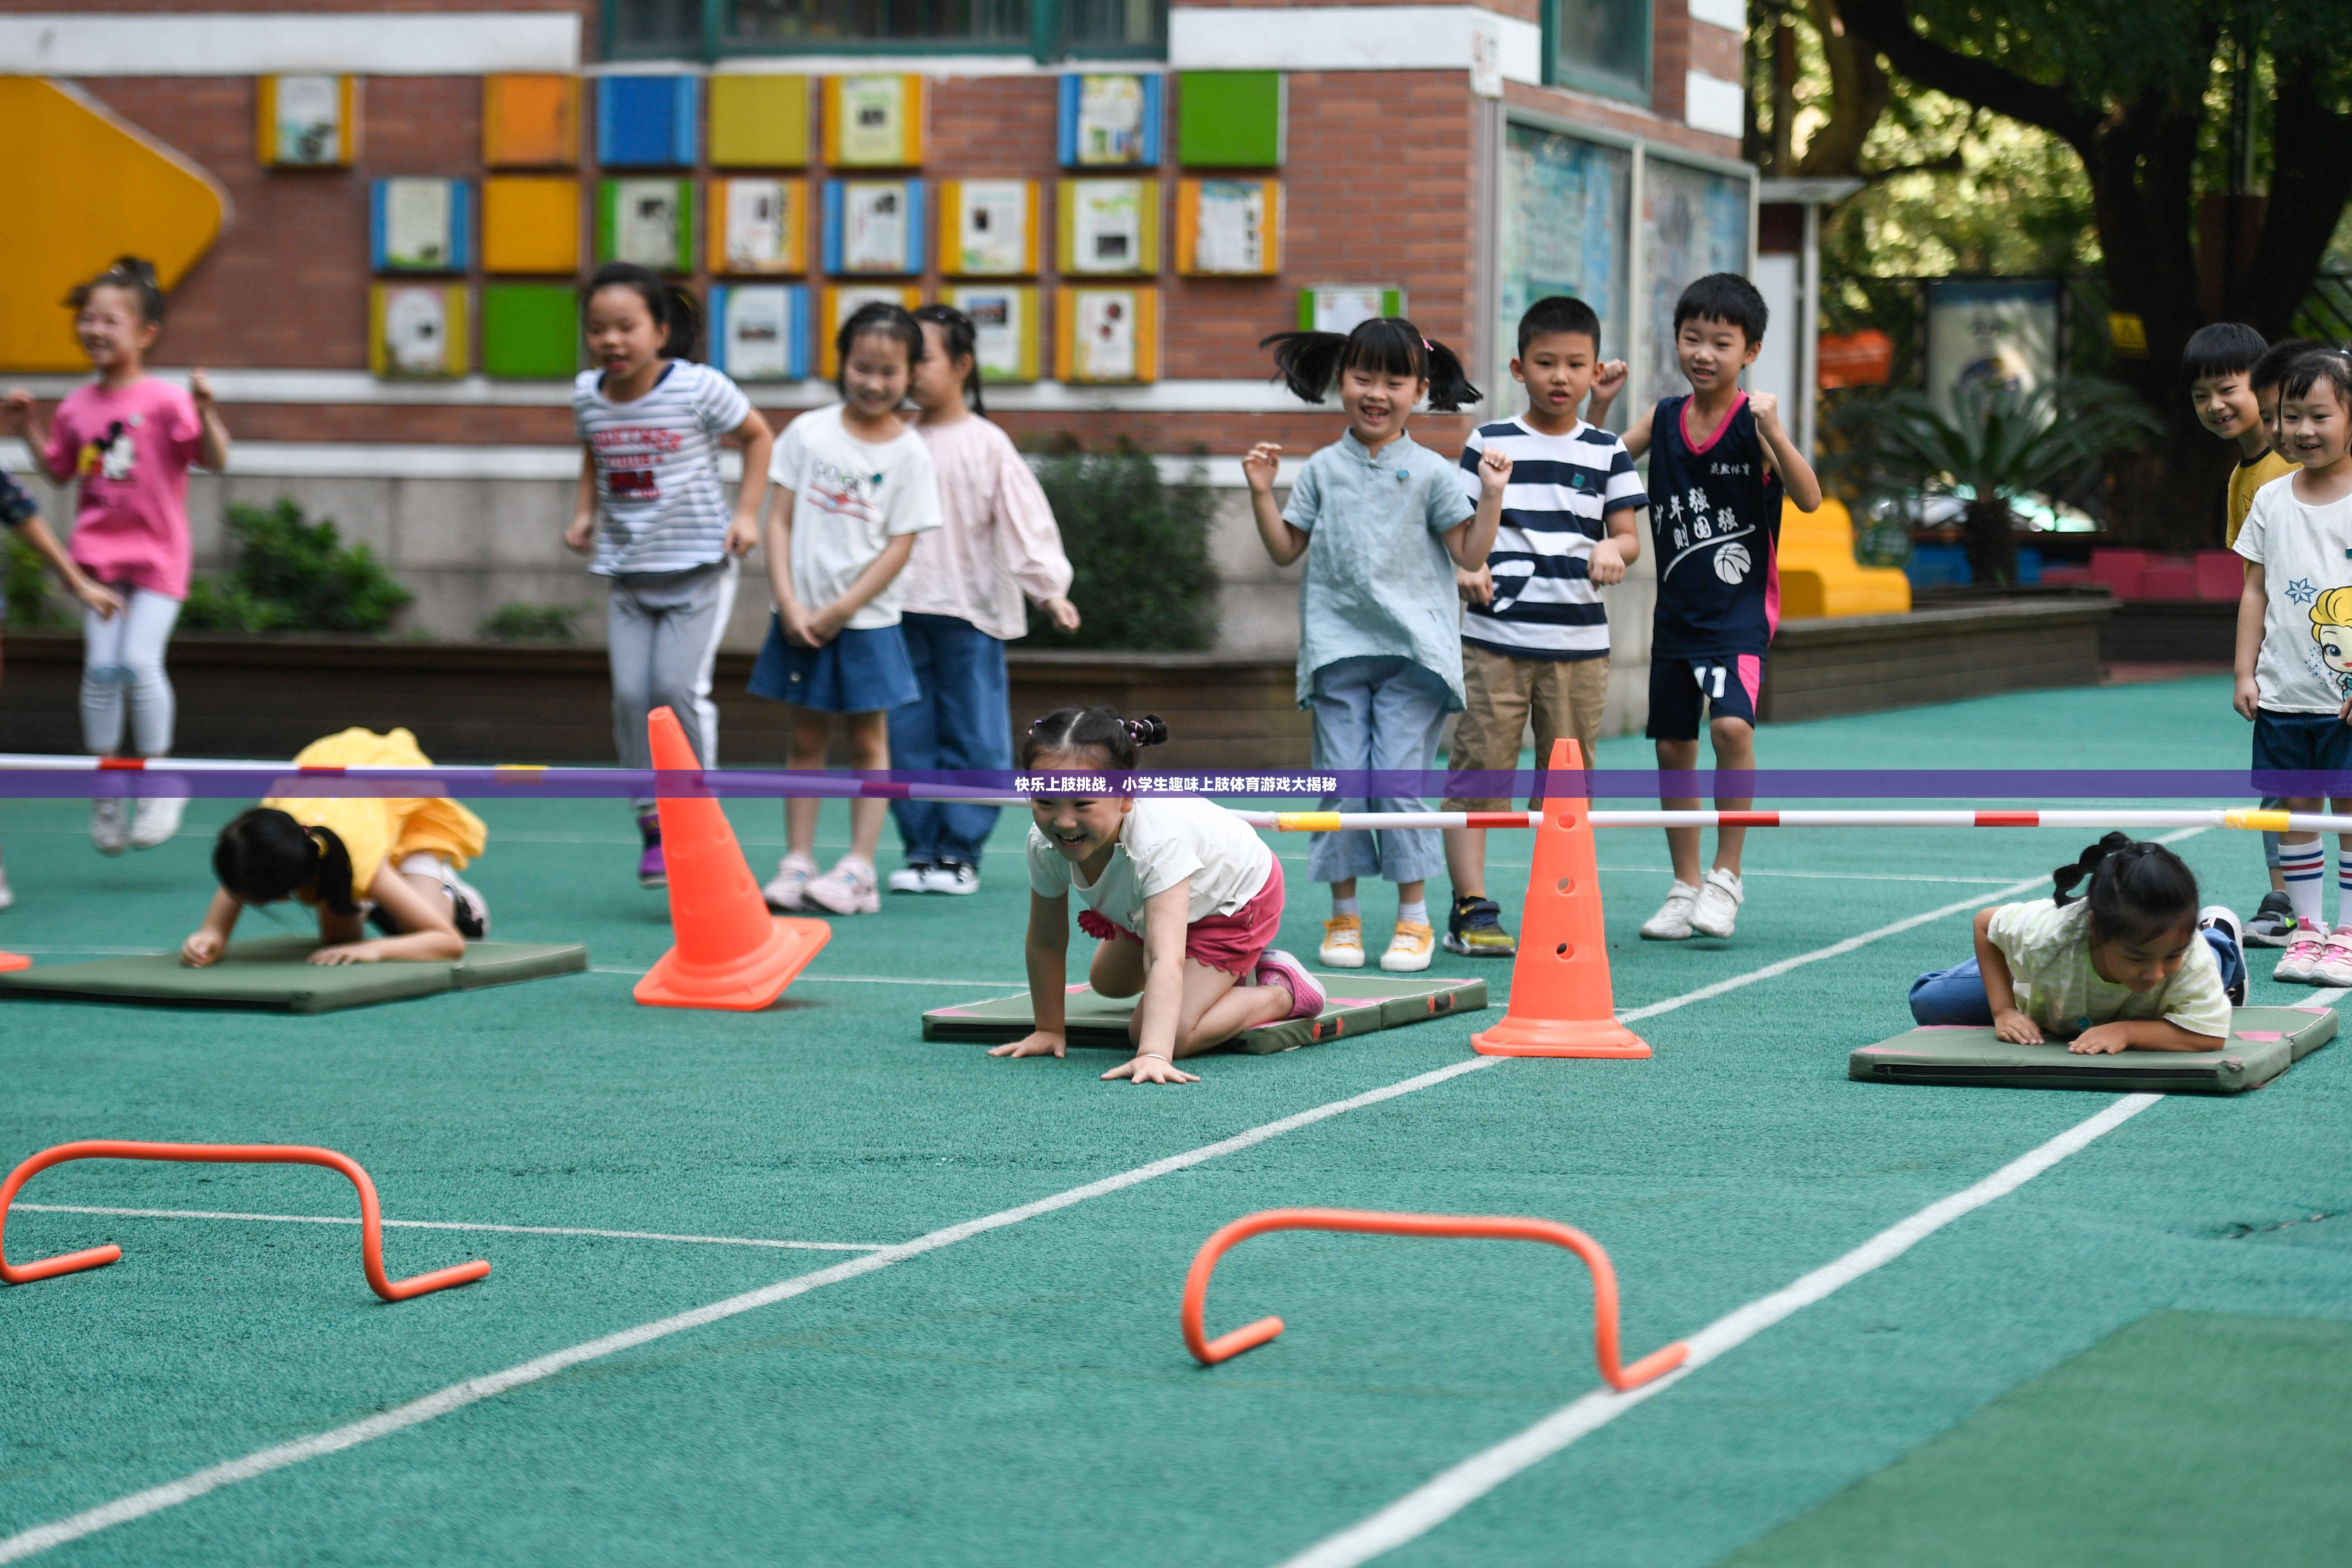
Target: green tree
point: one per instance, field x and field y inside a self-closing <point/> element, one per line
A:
<point x="294" y="576"/>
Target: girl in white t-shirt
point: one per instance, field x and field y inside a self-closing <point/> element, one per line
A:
<point x="853" y="486"/>
<point x="1183" y="896"/>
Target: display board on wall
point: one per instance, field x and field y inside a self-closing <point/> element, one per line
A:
<point x="1107" y="334"/>
<point x="873" y="227"/>
<point x="836" y="304"/>
<point x="873" y="121"/>
<point x="1566" y="220"/>
<point x="649" y="222"/>
<point x="649" y="122"/>
<point x="1108" y="228"/>
<point x="531" y="121"/>
<point x="1108" y="122"/>
<point x="759" y="332"/>
<point x="759" y="122"/>
<point x="417" y="329"/>
<point x="419" y="225"/>
<point x="530" y="223"/>
<point x="530" y="331"/>
<point x="1005" y="328"/>
<point x="307" y="122"/>
<point x="1694" y="221"/>
<point x="988" y="228"/>
<point x="1990" y="332"/>
<point x="758" y="225"/>
<point x="1230" y="120"/>
<point x="1229" y="228"/>
<point x="1344" y="307"/>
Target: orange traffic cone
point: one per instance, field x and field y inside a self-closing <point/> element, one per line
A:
<point x="1560" y="1000"/>
<point x="14" y="961"/>
<point x="730" y="952"/>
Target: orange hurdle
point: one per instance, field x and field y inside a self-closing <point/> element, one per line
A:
<point x="371" y="1217"/>
<point x="1495" y="1227"/>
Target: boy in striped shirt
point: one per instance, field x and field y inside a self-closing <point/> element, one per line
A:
<point x="1535" y="632"/>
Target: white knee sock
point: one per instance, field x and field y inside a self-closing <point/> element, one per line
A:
<point x="2304" y="867"/>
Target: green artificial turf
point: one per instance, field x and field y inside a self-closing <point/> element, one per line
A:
<point x="1022" y="1396"/>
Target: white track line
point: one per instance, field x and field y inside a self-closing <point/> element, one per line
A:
<point x="1440" y="1497"/>
<point x="458" y="1396"/>
<point x="860" y="980"/>
<point x="455" y="1225"/>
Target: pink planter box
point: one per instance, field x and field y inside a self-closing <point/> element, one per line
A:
<point x="2120" y="570"/>
<point x="2220" y="573"/>
<point x="2168" y="579"/>
<point x="2066" y="576"/>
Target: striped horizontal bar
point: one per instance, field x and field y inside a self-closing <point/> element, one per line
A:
<point x="1390" y="821"/>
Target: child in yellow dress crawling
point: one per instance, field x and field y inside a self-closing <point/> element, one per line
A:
<point x="357" y="859"/>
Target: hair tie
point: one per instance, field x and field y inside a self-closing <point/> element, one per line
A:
<point x="1428" y="346"/>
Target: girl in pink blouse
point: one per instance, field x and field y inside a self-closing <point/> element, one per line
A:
<point x="963" y="591"/>
<point x="126" y="441"/>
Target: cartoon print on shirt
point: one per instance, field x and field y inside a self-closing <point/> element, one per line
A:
<point x="110" y="456"/>
<point x="2331" y="630"/>
<point x="844" y="490"/>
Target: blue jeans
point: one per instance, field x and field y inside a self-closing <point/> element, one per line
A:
<point x="1957" y="996"/>
<point x="959" y="723"/>
<point x="1382" y="712"/>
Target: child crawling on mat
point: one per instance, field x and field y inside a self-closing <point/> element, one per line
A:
<point x="387" y="862"/>
<point x="1183" y="896"/>
<point x="2131" y="964"/>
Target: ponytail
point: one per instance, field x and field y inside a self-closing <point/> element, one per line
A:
<point x="1309" y="362"/>
<point x="1067" y="731"/>
<point x="133" y="275"/>
<point x="264" y="855"/>
<point x="673" y="309"/>
<point x="961" y="339"/>
<point x="2138" y="891"/>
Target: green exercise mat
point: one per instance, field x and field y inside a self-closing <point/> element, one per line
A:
<point x="271" y="973"/>
<point x="1353" y="1005"/>
<point x="2264" y="1043"/>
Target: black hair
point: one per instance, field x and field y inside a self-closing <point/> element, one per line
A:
<point x="882" y="319"/>
<point x="1309" y="362"/>
<point x="2270" y="368"/>
<point x="128" y="272"/>
<point x="1724" y="297"/>
<point x="2333" y="366"/>
<point x="264" y="855"/>
<point x="2221" y="348"/>
<point x="2140" y="891"/>
<point x="674" y="309"/>
<point x="1559" y="313"/>
<point x="962" y="343"/>
<point x="1066" y="730"/>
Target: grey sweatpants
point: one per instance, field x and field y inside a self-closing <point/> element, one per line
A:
<point x="662" y="633"/>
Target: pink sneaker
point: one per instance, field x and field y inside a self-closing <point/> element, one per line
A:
<point x="1275" y="967"/>
<point x="2334" y="965"/>
<point x="2300" y="966"/>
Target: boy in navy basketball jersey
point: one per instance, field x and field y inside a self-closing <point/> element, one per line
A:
<point x="1720" y="464"/>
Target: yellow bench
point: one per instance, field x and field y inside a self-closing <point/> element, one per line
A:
<point x="1819" y="576"/>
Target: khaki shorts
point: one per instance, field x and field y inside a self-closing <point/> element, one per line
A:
<point x="1562" y="697"/>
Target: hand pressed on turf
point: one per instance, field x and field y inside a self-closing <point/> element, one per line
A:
<point x="1044" y="1043"/>
<point x="1150" y="1067"/>
<point x="350" y="952"/>
<point x="2107" y="1039"/>
<point x="203" y="947"/>
<point x="2018" y="1029"/>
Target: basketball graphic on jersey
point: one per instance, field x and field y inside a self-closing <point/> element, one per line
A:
<point x="1731" y="563"/>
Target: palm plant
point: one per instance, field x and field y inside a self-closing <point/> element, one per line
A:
<point x="1996" y="444"/>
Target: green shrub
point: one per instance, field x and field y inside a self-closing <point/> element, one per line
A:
<point x="1140" y="550"/>
<point x="24" y="584"/>
<point x="294" y="576"/>
<point x="518" y="620"/>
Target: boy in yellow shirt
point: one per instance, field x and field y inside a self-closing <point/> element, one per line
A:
<point x="2233" y="384"/>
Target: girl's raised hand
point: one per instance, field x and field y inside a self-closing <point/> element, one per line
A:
<point x="1260" y="464"/>
<point x="200" y="387"/>
<point x="18" y="409"/>
<point x="1040" y="1044"/>
<point x="1146" y="1067"/>
<point x="1494" y="470"/>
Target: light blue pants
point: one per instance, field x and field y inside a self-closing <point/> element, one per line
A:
<point x="1377" y="713"/>
<point x="123" y="658"/>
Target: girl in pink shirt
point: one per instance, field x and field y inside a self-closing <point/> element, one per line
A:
<point x="126" y="441"/>
<point x="965" y="586"/>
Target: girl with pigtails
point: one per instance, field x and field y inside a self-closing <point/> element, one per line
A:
<point x="996" y="542"/>
<point x="1383" y="524"/>
<point x="1183" y="896"/>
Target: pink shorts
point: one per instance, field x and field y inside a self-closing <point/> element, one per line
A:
<point x="1232" y="943"/>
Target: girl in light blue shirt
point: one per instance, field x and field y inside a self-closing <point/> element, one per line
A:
<point x="1383" y="524"/>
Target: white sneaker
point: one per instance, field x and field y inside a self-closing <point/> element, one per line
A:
<point x="908" y="880"/>
<point x="1720" y="897"/>
<point x="2300" y="966"/>
<point x="2334" y="965"/>
<point x="1673" y="921"/>
<point x="468" y="911"/>
<point x="849" y="889"/>
<point x="155" y="819"/>
<point x="951" y="877"/>
<point x="110" y="827"/>
<point x="788" y="887"/>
